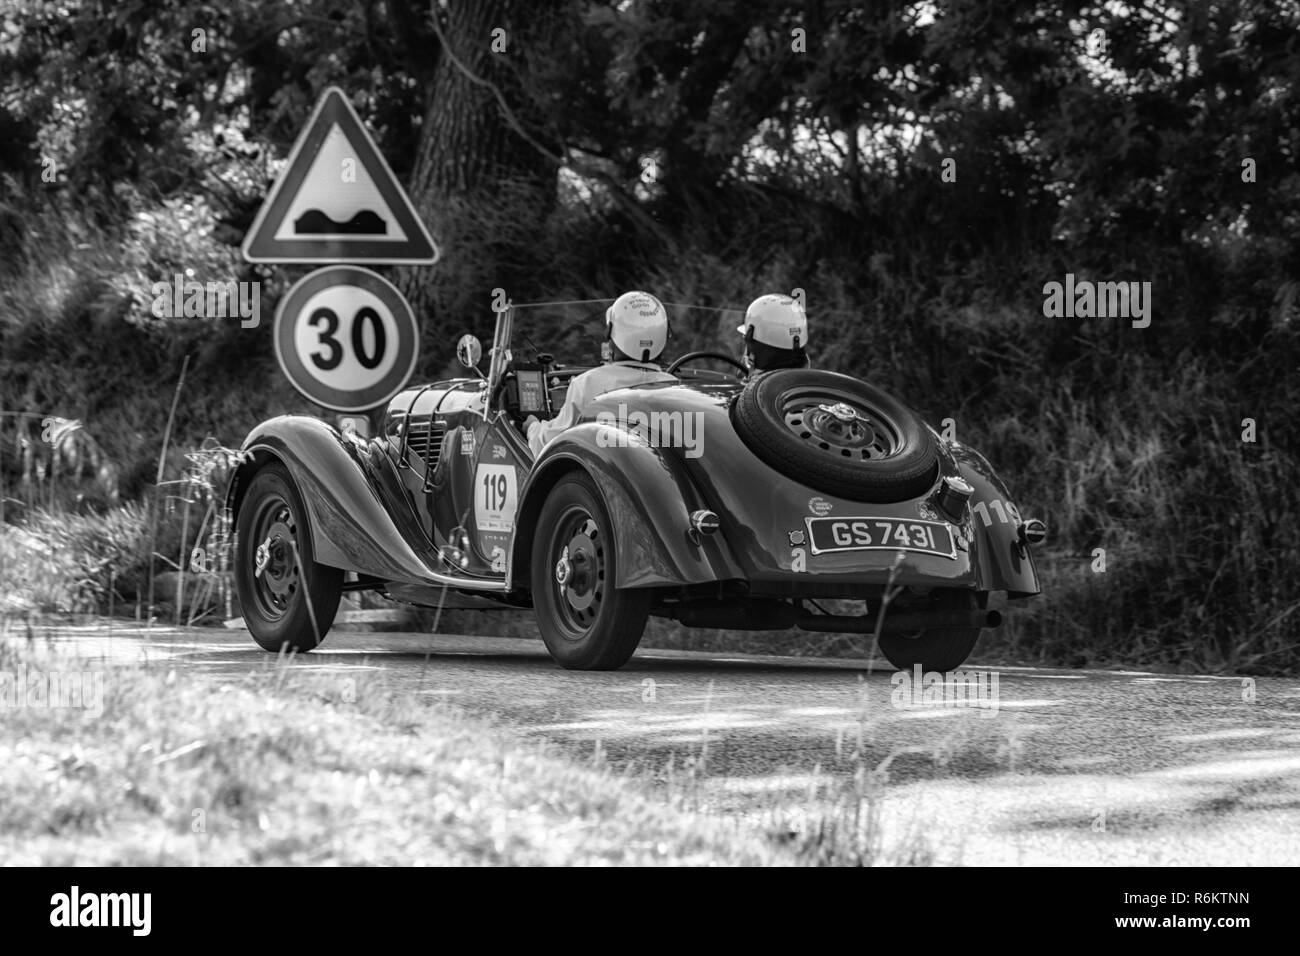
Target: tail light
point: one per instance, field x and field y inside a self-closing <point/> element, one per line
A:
<point x="952" y="496"/>
<point x="1033" y="531"/>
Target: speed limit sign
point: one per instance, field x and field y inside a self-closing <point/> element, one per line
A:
<point x="346" y="338"/>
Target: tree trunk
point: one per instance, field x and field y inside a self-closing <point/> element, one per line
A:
<point x="482" y="187"/>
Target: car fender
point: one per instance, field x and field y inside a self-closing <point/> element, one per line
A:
<point x="1003" y="562"/>
<point x="343" y="483"/>
<point x="649" y="499"/>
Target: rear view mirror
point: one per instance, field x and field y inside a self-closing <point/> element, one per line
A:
<point x="469" y="350"/>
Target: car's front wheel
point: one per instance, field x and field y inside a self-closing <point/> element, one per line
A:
<point x="288" y="600"/>
<point x="587" y="623"/>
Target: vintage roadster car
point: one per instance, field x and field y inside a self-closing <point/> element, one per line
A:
<point x="719" y="500"/>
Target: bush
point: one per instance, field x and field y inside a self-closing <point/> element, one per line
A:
<point x="68" y="563"/>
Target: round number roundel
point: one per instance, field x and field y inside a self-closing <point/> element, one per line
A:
<point x="346" y="338"/>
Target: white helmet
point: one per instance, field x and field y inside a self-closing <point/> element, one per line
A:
<point x="777" y="320"/>
<point x="638" y="325"/>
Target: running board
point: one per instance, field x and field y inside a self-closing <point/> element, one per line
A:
<point x="448" y="597"/>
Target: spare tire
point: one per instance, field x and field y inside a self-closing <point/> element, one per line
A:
<point x="836" y="434"/>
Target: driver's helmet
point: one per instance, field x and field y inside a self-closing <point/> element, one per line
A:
<point x="637" y="325"/>
<point x="777" y="321"/>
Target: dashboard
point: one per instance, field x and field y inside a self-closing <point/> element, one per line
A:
<point x="530" y="389"/>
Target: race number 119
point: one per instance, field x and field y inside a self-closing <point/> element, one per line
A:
<point x="496" y="497"/>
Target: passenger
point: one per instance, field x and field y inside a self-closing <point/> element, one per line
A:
<point x="775" y="331"/>
<point x="636" y="331"/>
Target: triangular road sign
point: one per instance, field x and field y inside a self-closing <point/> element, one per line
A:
<point x="337" y="200"/>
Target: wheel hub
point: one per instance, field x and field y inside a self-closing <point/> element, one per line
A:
<point x="275" y="561"/>
<point x="841" y="411"/>
<point x="839" y="425"/>
<point x="578" y="593"/>
<point x="262" y="558"/>
<point x="563" y="568"/>
<point x="580" y="581"/>
<point x="279" y="567"/>
<point x="839" y="428"/>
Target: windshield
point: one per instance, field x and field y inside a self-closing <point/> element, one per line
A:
<point x="572" y="331"/>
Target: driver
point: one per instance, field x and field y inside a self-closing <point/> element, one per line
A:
<point x="636" y="331"/>
<point x="775" y="331"/>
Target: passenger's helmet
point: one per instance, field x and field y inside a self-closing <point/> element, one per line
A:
<point x="776" y="320"/>
<point x="637" y="325"/>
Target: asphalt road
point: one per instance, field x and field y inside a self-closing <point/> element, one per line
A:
<point x="1055" y="767"/>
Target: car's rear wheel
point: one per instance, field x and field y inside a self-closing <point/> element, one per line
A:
<point x="836" y="434"/>
<point x="586" y="622"/>
<point x="939" y="648"/>
<point x="288" y="600"/>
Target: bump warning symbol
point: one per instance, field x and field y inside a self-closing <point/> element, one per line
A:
<point x="337" y="200"/>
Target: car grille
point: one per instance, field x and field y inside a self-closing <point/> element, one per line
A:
<point x="426" y="441"/>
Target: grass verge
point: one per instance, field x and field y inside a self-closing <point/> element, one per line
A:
<point x="290" y="767"/>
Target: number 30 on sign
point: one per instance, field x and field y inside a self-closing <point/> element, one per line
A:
<point x="346" y="338"/>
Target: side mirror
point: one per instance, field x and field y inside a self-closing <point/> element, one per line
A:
<point x="469" y="350"/>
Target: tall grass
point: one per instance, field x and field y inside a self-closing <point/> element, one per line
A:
<point x="65" y="563"/>
<point x="61" y="562"/>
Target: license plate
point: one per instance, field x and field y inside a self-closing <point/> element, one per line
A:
<point x="880" y="534"/>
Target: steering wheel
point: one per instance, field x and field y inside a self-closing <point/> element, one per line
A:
<point x="720" y="356"/>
